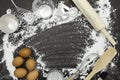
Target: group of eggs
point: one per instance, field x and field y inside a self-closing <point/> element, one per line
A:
<point x="29" y="70"/>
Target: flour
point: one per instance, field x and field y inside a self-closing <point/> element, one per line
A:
<point x="59" y="16"/>
<point x="9" y="47"/>
<point x="8" y="55"/>
<point x="104" y="8"/>
<point x="100" y="45"/>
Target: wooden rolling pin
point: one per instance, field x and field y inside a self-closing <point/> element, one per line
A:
<point x="102" y="62"/>
<point x="95" y="20"/>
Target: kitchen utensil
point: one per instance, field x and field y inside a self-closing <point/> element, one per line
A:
<point x="95" y="20"/>
<point x="86" y="63"/>
<point x="8" y="22"/>
<point x="102" y="62"/>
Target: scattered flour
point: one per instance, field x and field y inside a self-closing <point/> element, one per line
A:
<point x="64" y="16"/>
<point x="104" y="8"/>
<point x="9" y="48"/>
<point x="8" y="55"/>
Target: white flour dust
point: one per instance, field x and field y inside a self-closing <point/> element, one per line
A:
<point x="60" y="15"/>
<point x="8" y="55"/>
<point x="104" y="8"/>
<point x="9" y="48"/>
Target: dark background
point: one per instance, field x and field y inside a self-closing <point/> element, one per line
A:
<point x="110" y="74"/>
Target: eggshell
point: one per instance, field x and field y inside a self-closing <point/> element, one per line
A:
<point x="30" y="64"/>
<point x="33" y="75"/>
<point x="18" y="61"/>
<point x="25" y="52"/>
<point x="20" y="72"/>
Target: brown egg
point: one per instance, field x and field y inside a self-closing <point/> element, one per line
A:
<point x="18" y="61"/>
<point x="25" y="52"/>
<point x="33" y="75"/>
<point x="30" y="64"/>
<point x="20" y="72"/>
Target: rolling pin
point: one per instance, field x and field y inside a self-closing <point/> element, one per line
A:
<point x="102" y="62"/>
<point x="95" y="20"/>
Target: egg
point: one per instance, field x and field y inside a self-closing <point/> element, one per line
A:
<point x="33" y="75"/>
<point x="20" y="72"/>
<point x="18" y="61"/>
<point x="30" y="64"/>
<point x="25" y="52"/>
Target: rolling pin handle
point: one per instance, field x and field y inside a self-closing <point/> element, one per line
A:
<point x="107" y="35"/>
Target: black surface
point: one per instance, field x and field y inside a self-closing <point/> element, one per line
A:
<point x="112" y="73"/>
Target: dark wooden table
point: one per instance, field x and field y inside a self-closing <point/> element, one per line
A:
<point x="110" y="74"/>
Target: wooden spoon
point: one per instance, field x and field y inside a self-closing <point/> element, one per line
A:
<point x="102" y="62"/>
